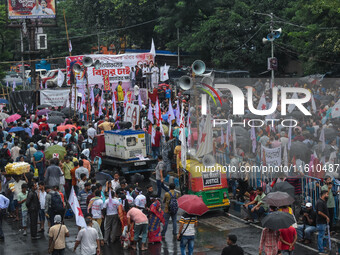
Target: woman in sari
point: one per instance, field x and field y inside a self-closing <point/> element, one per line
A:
<point x="155" y="218"/>
<point x="123" y="208"/>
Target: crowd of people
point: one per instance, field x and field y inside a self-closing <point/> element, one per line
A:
<point x="125" y="211"/>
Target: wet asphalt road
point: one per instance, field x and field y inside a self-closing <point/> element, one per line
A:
<point x="211" y="235"/>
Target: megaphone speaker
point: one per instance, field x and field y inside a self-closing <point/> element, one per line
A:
<point x="270" y="37"/>
<point x="264" y="40"/>
<point x="209" y="160"/>
<point x="77" y="68"/>
<point x="96" y="64"/>
<point x="185" y="82"/>
<point x="198" y="67"/>
<point x="87" y="61"/>
<point x="277" y="32"/>
<point x="207" y="81"/>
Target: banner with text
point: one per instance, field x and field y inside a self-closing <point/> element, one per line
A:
<point x="272" y="157"/>
<point x="31" y="9"/>
<point x="116" y="67"/>
<point x="54" y="97"/>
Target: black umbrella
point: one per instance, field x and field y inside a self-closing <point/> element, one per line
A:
<point x="103" y="177"/>
<point x="326" y="152"/>
<point x="56" y="113"/>
<point x="68" y="112"/>
<point x="284" y="187"/>
<point x="278" y="220"/>
<point x="330" y="134"/>
<point x="278" y="199"/>
<point x="55" y="120"/>
<point x="43" y="106"/>
<point x="300" y="150"/>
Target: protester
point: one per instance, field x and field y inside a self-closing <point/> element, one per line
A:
<point x="22" y="196"/>
<point x="88" y="238"/>
<point x="186" y="233"/>
<point x="57" y="236"/>
<point x="288" y="237"/>
<point x="111" y="222"/>
<point x="139" y="222"/>
<point x="156" y="217"/>
<point x="170" y="209"/>
<point x="33" y="206"/>
<point x="4" y="203"/>
<point x="308" y="227"/>
<point x="322" y="219"/>
<point x="232" y="248"/>
<point x="269" y="241"/>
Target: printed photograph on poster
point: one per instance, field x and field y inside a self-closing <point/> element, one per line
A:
<point x="132" y="114"/>
<point x="31" y="9"/>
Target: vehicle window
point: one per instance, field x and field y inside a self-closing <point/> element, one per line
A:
<point x="43" y="72"/>
<point x="51" y="74"/>
<point x="131" y="141"/>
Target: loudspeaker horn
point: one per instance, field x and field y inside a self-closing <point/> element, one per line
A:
<point x="264" y="40"/>
<point x="208" y="160"/>
<point x="208" y="81"/>
<point x="198" y="67"/>
<point x="77" y="68"/>
<point x="87" y="61"/>
<point x="270" y="37"/>
<point x="277" y="33"/>
<point x="136" y="90"/>
<point x="185" y="82"/>
<point x="96" y="64"/>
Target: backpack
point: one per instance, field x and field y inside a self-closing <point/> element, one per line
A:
<point x="173" y="205"/>
<point x="56" y="203"/>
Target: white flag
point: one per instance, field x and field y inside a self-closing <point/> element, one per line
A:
<point x="150" y="115"/>
<point x="178" y="117"/>
<point x="61" y="78"/>
<point x="153" y="50"/>
<point x="140" y="101"/>
<point x="182" y="138"/>
<point x="74" y="203"/>
<point x="285" y="156"/>
<point x="222" y="136"/>
<point x="234" y="140"/>
<point x="153" y="135"/>
<point x="14" y="86"/>
<point x="336" y="110"/>
<point x="262" y="104"/>
<point x="164" y="72"/>
<point x="69" y="46"/>
<point x="114" y="105"/>
<point x="313" y="105"/>
<point x="292" y="106"/>
<point x="322" y="138"/>
<point x="171" y="114"/>
<point x="290" y="135"/>
<point x="253" y="138"/>
<point x="206" y="143"/>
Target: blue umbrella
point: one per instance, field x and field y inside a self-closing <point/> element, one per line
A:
<point x="3" y="101"/>
<point x="16" y="129"/>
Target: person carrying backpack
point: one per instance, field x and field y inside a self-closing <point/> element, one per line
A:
<point x="53" y="204"/>
<point x="170" y="209"/>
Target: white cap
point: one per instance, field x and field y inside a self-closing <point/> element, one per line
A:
<point x="309" y="205"/>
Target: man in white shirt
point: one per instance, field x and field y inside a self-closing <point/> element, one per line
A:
<point x="4" y="202"/>
<point x="88" y="239"/>
<point x="15" y="151"/>
<point x="81" y="170"/>
<point x="42" y="200"/>
<point x="115" y="182"/>
<point x="111" y="223"/>
<point x="91" y="132"/>
<point x="96" y="206"/>
<point x="140" y="200"/>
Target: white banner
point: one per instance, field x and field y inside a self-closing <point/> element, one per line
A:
<point x="132" y="114"/>
<point x="54" y="97"/>
<point x="116" y="67"/>
<point x="271" y="156"/>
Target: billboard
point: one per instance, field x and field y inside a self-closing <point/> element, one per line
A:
<point x="31" y="9"/>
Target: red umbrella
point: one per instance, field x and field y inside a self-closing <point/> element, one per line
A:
<point x="192" y="204"/>
<point x="13" y="117"/>
<point x="63" y="128"/>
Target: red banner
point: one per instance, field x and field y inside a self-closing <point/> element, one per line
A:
<point x="106" y="82"/>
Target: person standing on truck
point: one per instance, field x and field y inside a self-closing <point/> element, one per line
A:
<point x="115" y="182"/>
<point x="159" y="176"/>
<point x="106" y="125"/>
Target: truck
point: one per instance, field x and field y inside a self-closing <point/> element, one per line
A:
<point x="123" y="151"/>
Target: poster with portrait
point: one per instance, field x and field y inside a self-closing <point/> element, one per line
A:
<point x="132" y="114"/>
<point x="31" y="9"/>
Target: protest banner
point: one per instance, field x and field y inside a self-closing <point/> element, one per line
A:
<point x="54" y="97"/>
<point x="116" y="67"/>
<point x="132" y="114"/>
<point x="272" y="156"/>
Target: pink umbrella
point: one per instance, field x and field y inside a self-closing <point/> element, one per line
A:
<point x="13" y="117"/>
<point x="34" y="126"/>
<point x="192" y="204"/>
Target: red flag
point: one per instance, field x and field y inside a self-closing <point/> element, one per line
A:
<point x="74" y="203"/>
